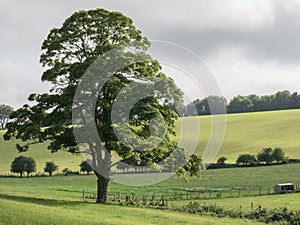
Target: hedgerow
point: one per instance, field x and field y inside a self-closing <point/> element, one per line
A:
<point x="282" y="216"/>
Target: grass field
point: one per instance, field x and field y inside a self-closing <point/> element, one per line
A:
<point x="30" y="211"/>
<point x="245" y="133"/>
<point x="251" y="132"/>
<point x="40" y="153"/>
<point x="227" y="180"/>
<point x="56" y="200"/>
<point x="291" y="201"/>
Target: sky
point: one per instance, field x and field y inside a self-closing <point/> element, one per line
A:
<point x="249" y="46"/>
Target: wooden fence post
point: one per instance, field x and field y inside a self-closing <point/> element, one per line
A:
<point x="119" y="197"/>
<point x="144" y="200"/>
<point x="163" y="200"/>
<point x="260" y="191"/>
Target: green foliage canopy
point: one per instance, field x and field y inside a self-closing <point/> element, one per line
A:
<point x="50" y="167"/>
<point x="23" y="164"/>
<point x="85" y="167"/>
<point x="68" y="52"/>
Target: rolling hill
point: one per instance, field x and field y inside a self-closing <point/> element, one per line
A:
<point x="251" y="132"/>
<point x="245" y="133"/>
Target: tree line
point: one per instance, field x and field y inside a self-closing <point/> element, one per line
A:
<point x="251" y="103"/>
<point x="23" y="164"/>
<point x="267" y="156"/>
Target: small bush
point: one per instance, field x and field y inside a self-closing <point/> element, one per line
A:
<point x="274" y="216"/>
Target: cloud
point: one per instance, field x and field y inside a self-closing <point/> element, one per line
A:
<point x="243" y="40"/>
<point x="17" y="81"/>
<point x="236" y="74"/>
<point x="211" y="15"/>
<point x="264" y="30"/>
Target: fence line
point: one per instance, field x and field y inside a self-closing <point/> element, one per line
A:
<point x="162" y="199"/>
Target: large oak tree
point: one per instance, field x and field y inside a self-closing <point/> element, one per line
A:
<point x="67" y="53"/>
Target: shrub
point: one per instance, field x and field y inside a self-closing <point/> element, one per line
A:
<point x="274" y="216"/>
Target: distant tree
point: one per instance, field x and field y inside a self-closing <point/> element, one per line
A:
<point x="201" y="106"/>
<point x="295" y="101"/>
<point x="258" y="103"/>
<point x="265" y="156"/>
<point x="210" y="105"/>
<point x="18" y="165"/>
<point x="122" y="166"/>
<point x="217" y="104"/>
<point x="267" y="102"/>
<point x="5" y="112"/>
<point x="240" y="104"/>
<point x="30" y="166"/>
<point x="221" y="160"/>
<point x="246" y="159"/>
<point x="190" y="109"/>
<point x="85" y="167"/>
<point x="23" y="164"/>
<point x="278" y="155"/>
<point x="281" y="100"/>
<point x="50" y="167"/>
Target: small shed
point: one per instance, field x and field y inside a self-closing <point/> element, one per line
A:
<point x="283" y="187"/>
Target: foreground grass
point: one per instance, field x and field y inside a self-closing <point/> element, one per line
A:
<point x="56" y="200"/>
<point x="22" y="210"/>
<point x="291" y="201"/>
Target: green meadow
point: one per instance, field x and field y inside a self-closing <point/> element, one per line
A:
<point x="30" y="211"/>
<point x="245" y="133"/>
<point x="251" y="132"/>
<point x="58" y="199"/>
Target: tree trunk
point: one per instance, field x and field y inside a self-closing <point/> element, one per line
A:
<point x="102" y="171"/>
<point x="102" y="185"/>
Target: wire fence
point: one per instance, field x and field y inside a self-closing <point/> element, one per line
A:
<point x="162" y="199"/>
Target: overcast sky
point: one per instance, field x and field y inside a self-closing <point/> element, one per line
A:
<point x="250" y="46"/>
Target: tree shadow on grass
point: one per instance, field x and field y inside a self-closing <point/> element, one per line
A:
<point x="41" y="201"/>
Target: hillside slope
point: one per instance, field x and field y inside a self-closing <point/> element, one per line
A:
<point x="245" y="133"/>
<point x="251" y="132"/>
